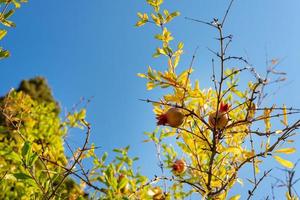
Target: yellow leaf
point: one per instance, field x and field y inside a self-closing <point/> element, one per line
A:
<point x="248" y="154"/>
<point x="180" y="45"/>
<point x="145" y="17"/>
<point x="166" y="36"/>
<point x="285" y="122"/>
<point x="176" y="60"/>
<point x="266" y="117"/>
<point x="240" y="181"/>
<point x="238" y="93"/>
<point x="141" y="75"/>
<point x="156" y="19"/>
<point x="234" y="150"/>
<point x="235" y="197"/>
<point x="170" y="64"/>
<point x="256" y="168"/>
<point x="284" y="162"/>
<point x="289" y="197"/>
<point x="286" y="150"/>
<point x="2" y="33"/>
<point x="140" y="23"/>
<point x="150" y="85"/>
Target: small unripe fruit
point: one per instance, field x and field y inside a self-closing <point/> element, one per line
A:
<point x="179" y="167"/>
<point x="219" y="120"/>
<point x="173" y="117"/>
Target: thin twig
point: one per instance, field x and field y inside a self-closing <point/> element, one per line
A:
<point x="257" y="184"/>
<point x="75" y="161"/>
<point x="226" y="13"/>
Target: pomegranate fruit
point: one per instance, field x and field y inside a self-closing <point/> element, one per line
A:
<point x="179" y="166"/>
<point x="173" y="117"/>
<point x="219" y="119"/>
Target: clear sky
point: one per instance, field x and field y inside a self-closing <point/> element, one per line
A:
<point x="91" y="48"/>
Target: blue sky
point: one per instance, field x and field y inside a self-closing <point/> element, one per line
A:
<point x="92" y="49"/>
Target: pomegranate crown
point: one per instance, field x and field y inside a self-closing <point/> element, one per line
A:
<point x="224" y="107"/>
<point x="162" y="119"/>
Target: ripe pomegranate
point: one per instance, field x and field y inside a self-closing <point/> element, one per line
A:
<point x="219" y="120"/>
<point x="173" y="117"/>
<point x="179" y="166"/>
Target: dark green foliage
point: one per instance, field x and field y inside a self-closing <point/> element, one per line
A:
<point x="38" y="89"/>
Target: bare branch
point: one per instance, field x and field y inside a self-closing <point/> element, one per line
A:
<point x="226" y="13"/>
<point x="257" y="184"/>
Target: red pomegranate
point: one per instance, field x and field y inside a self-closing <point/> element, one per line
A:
<point x="219" y="120"/>
<point x="179" y="167"/>
<point x="173" y="117"/>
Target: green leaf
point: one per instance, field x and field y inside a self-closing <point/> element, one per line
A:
<point x="8" y="23"/>
<point x="104" y="156"/>
<point x="11" y="155"/>
<point x="26" y="148"/>
<point x="123" y="182"/>
<point x="22" y="176"/>
<point x="4" y="54"/>
<point x="117" y="150"/>
<point x="9" y="14"/>
<point x="33" y="158"/>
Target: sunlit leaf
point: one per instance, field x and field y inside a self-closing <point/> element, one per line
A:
<point x="284" y="121"/>
<point x="286" y="150"/>
<point x="2" y="33"/>
<point x="235" y="197"/>
<point x="284" y="162"/>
